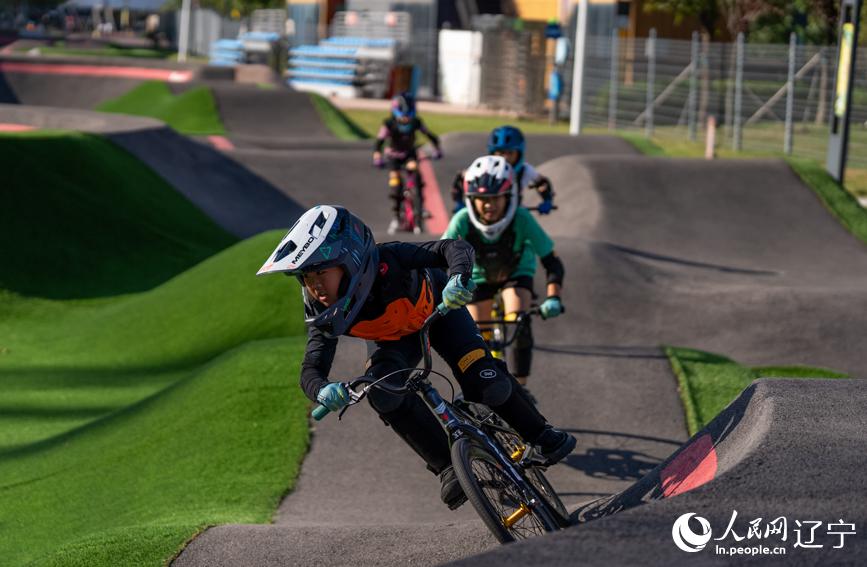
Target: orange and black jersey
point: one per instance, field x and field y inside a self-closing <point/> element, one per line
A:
<point x="401" y="298"/>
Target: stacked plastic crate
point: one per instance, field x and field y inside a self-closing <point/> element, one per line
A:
<point x="342" y="66"/>
<point x="227" y="52"/>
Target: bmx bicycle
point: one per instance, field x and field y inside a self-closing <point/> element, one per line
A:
<point x="410" y="209"/>
<point x="501" y="474"/>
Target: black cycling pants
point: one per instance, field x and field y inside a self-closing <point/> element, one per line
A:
<point x="482" y="379"/>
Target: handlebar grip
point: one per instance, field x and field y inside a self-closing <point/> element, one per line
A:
<point x="320" y="412"/>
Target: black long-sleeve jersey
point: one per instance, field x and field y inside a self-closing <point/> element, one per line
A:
<point x="401" y="297"/>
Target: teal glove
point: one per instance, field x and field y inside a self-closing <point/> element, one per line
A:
<point x="551" y="307"/>
<point x="456" y="294"/>
<point x="333" y="396"/>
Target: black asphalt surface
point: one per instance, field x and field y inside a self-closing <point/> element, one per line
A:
<point x="736" y="257"/>
<point x="238" y="200"/>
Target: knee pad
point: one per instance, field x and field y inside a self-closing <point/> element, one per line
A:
<point x="487" y="381"/>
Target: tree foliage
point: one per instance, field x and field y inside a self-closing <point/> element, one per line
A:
<point x="231" y="7"/>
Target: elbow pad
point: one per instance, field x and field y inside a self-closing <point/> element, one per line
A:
<point x="554" y="268"/>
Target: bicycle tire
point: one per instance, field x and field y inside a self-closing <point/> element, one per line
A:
<point x="466" y="453"/>
<point x="417" y="201"/>
<point x="509" y="442"/>
<point x="407" y="214"/>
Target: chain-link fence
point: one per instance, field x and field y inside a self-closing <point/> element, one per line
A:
<point x="765" y="98"/>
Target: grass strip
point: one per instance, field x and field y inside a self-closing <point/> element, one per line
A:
<point x="192" y="112"/>
<point x="131" y="52"/>
<point x="836" y="199"/>
<point x="708" y="382"/>
<point x="128" y="424"/>
<point x="97" y="222"/>
<point x="341" y="125"/>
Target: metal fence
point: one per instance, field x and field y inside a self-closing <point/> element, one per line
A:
<point x="765" y="98"/>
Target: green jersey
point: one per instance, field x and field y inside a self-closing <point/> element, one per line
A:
<point x="521" y="243"/>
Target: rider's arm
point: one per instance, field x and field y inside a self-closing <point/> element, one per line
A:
<point x="554" y="272"/>
<point x="458" y="187"/>
<point x="381" y="136"/>
<point x="430" y="135"/>
<point x="455" y="256"/>
<point x="317" y="362"/>
<point x="544" y="247"/>
<point x="539" y="183"/>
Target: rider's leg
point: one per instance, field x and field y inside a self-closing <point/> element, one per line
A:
<point x="516" y="300"/>
<point x="481" y="311"/>
<point x="409" y="417"/>
<point x="412" y="169"/>
<point x="407" y="414"/>
<point x="487" y="380"/>
<point x="395" y="185"/>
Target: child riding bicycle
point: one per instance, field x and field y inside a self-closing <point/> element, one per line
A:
<point x="399" y="129"/>
<point x="508" y="141"/>
<point x="383" y="293"/>
<point x="507" y="240"/>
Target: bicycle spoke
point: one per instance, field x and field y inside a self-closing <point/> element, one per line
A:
<point x="505" y="497"/>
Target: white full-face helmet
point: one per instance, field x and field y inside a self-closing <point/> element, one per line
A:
<point x="490" y="176"/>
<point x="324" y="237"/>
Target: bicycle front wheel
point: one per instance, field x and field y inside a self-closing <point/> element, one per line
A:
<point x="502" y="504"/>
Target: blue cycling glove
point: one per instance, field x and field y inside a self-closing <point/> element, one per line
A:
<point x="456" y="294"/>
<point x="545" y="207"/>
<point x="333" y="396"/>
<point x="551" y="307"/>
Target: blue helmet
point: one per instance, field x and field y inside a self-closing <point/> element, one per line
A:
<point x="507" y="138"/>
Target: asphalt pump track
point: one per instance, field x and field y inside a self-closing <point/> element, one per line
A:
<point x="733" y="257"/>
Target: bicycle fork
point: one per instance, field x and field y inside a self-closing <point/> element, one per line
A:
<point x="456" y="428"/>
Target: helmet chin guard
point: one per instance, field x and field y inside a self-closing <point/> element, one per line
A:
<point x="490" y="176"/>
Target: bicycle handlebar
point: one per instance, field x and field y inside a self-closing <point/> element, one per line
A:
<point x="319" y="412"/>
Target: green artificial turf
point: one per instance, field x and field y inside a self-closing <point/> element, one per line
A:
<point x="81" y="217"/>
<point x="370" y="121"/>
<point x="132" y="52"/>
<point x="840" y="202"/>
<point x="130" y="423"/>
<point x="340" y="124"/>
<point x="192" y="112"/>
<point x="709" y="382"/>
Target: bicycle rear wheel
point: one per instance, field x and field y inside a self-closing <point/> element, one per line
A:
<point x="501" y="503"/>
<point x="512" y="444"/>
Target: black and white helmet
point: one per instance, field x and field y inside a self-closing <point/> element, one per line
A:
<point x="324" y="237"/>
<point x="490" y="176"/>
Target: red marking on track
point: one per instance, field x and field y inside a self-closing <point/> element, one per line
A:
<point x="221" y="143"/>
<point x="170" y="75"/>
<point x="694" y="466"/>
<point x="433" y="199"/>
<point x="7" y="127"/>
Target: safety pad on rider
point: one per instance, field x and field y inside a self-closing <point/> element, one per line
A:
<point x="468" y="359"/>
<point x="487" y="382"/>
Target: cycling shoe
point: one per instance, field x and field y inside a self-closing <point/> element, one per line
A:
<point x="450" y="490"/>
<point x="554" y="445"/>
